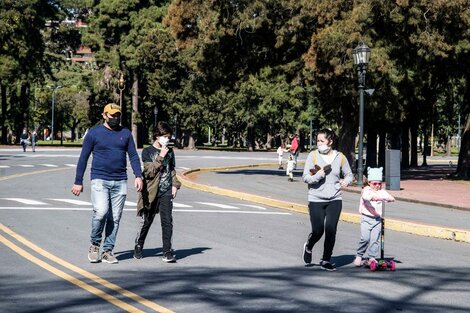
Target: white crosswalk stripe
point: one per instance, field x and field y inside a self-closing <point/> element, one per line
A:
<point x="252" y="206"/>
<point x="49" y="165"/>
<point x="26" y="201"/>
<point x="181" y="205"/>
<point x="5" y="166"/>
<point x="73" y="201"/>
<point x="71" y="165"/>
<point x="218" y="205"/>
<point x="25" y="165"/>
<point x="79" y="205"/>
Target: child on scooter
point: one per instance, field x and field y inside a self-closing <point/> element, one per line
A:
<point x="370" y="208"/>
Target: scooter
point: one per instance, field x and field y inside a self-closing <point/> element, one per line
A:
<point x="382" y="264"/>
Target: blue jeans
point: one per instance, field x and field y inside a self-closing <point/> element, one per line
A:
<point x="107" y="197"/>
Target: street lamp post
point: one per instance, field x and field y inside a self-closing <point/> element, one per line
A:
<point x="361" y="56"/>
<point x="121" y="86"/>
<point x="54" y="88"/>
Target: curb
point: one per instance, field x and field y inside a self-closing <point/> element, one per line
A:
<point x="439" y="232"/>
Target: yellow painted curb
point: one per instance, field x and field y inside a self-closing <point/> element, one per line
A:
<point x="440" y="232"/>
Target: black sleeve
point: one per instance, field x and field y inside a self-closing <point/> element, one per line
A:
<point x="146" y="156"/>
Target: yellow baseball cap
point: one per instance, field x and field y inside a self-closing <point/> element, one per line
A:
<point x="112" y="108"/>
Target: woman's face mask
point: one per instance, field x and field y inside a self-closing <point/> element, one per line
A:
<point x="163" y="141"/>
<point x="324" y="149"/>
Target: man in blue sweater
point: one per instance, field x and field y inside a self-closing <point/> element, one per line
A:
<point x="109" y="144"/>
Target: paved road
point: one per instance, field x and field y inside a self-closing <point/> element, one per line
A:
<point x="233" y="256"/>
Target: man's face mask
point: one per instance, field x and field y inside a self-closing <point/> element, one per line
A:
<point x="114" y="122"/>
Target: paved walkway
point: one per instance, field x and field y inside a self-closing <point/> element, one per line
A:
<point x="428" y="203"/>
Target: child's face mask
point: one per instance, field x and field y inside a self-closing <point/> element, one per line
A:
<point x="163" y="141"/>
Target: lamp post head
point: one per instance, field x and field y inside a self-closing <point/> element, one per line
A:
<point x="121" y="81"/>
<point x="361" y="54"/>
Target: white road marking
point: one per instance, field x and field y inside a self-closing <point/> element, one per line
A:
<point x="71" y="165"/>
<point x="177" y="210"/>
<point x="218" y="205"/>
<point x="181" y="205"/>
<point x="26" y="201"/>
<point x="129" y="203"/>
<point x="72" y="201"/>
<point x="236" y="212"/>
<point x="25" y="165"/>
<point x="4" y="166"/>
<point x="49" y="165"/>
<point x="184" y="168"/>
<point x="251" y="206"/>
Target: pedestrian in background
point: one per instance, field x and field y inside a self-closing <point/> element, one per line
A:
<point x="280" y="152"/>
<point x="160" y="188"/>
<point x="24" y="139"/>
<point x="322" y="171"/>
<point x="370" y="208"/>
<point x="295" y="148"/>
<point x="109" y="144"/>
<point x="290" y="168"/>
<point x="34" y="140"/>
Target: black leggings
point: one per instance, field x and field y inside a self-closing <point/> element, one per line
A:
<point x="324" y="217"/>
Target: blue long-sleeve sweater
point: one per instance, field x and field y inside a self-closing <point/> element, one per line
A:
<point x="109" y="149"/>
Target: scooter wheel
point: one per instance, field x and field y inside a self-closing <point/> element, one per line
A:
<point x="373" y="265"/>
<point x="392" y="266"/>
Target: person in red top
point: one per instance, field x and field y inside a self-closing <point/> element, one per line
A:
<point x="295" y="149"/>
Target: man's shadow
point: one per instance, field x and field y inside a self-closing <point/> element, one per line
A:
<point x="158" y="252"/>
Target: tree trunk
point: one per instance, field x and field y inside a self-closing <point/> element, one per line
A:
<point x="382" y="146"/>
<point x="3" y="128"/>
<point x="191" y="142"/>
<point x="251" y="137"/>
<point x="405" y="147"/>
<point x="135" y="118"/>
<point x="463" y="165"/>
<point x="425" y="145"/>
<point x="371" y="152"/>
<point x="269" y="141"/>
<point x="414" y="145"/>
<point x="346" y="143"/>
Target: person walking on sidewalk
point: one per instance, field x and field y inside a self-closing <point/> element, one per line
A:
<point x="109" y="144"/>
<point x="370" y="208"/>
<point x="290" y="168"/>
<point x="160" y="188"/>
<point x="24" y="139"/>
<point x="322" y="171"/>
<point x="295" y="148"/>
<point x="280" y="152"/>
<point x="34" y="140"/>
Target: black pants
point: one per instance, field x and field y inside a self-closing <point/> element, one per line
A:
<point x="324" y="217"/>
<point x="164" y="205"/>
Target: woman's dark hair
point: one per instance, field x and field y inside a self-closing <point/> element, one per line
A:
<point x="162" y="129"/>
<point x="329" y="135"/>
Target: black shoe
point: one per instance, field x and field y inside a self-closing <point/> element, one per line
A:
<point x="327" y="266"/>
<point x="281" y="168"/>
<point x="138" y="252"/>
<point x="168" y="257"/>
<point x="307" y="255"/>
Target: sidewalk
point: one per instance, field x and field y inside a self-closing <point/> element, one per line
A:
<point x="427" y="203"/>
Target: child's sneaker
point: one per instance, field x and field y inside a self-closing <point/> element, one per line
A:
<point x="94" y="254"/>
<point x="327" y="266"/>
<point x="358" y="261"/>
<point x="108" y="257"/>
<point x="307" y="254"/>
